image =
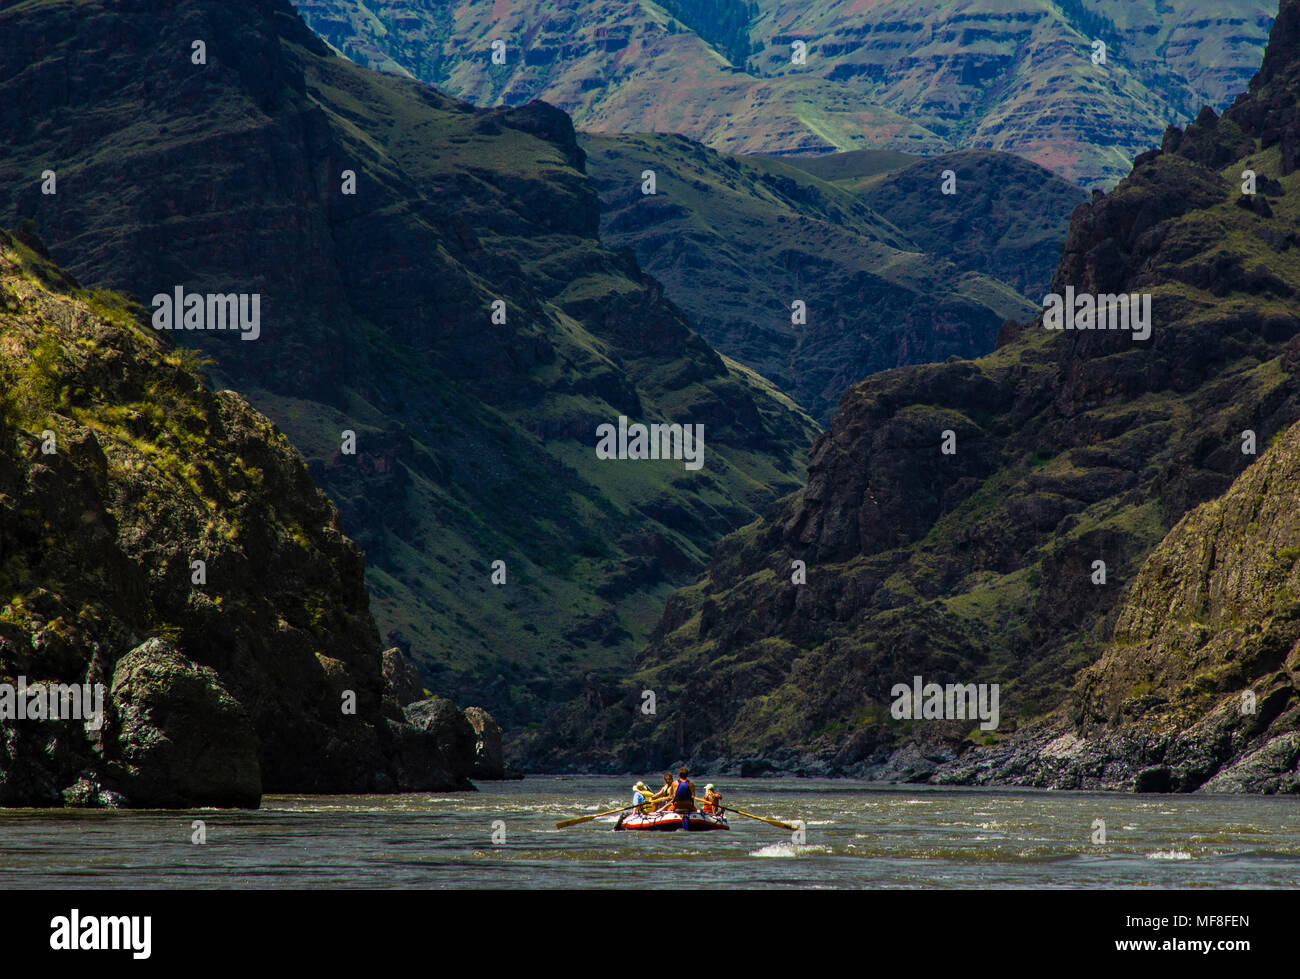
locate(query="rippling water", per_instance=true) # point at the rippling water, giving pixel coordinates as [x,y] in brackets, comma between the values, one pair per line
[858,835]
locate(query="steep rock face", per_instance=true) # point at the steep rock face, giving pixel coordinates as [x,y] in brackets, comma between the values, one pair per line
[402,677]
[165,544]
[1209,632]
[382,318]
[912,75]
[1071,448]
[1199,688]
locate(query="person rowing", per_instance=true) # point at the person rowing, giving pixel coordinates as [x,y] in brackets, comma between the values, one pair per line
[665,795]
[641,797]
[712,799]
[684,796]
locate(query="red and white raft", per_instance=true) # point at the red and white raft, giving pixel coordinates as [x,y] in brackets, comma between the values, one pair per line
[666,822]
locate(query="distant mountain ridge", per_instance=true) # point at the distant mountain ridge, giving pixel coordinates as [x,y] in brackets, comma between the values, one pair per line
[922,77]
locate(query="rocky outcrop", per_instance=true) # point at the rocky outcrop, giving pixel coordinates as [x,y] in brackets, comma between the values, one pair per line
[1220,755]
[490,760]
[1205,656]
[177,735]
[448,731]
[402,677]
[164,551]
[444,747]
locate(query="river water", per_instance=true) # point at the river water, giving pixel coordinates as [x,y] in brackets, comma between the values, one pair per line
[858,835]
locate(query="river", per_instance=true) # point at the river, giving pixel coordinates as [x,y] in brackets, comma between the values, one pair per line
[858,835]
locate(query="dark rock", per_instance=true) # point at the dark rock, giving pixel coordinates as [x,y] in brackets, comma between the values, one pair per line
[403,677]
[489,760]
[1273,768]
[1158,778]
[755,767]
[449,732]
[1255,203]
[176,736]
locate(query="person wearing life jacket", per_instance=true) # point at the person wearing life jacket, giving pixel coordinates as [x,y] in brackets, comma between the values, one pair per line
[641,797]
[712,799]
[684,796]
[664,797]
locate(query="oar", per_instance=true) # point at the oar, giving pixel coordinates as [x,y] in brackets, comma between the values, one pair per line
[761,819]
[596,815]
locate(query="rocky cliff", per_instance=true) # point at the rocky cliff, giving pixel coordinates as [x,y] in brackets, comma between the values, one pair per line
[163,547]
[1205,657]
[1199,688]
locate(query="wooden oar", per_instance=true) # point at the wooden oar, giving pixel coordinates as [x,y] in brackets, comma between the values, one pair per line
[595,815]
[761,819]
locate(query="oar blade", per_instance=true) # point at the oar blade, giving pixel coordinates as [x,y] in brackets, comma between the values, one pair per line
[595,815]
[764,819]
[572,822]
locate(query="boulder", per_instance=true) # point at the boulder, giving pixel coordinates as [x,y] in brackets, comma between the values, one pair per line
[176,737]
[1271,769]
[450,734]
[421,765]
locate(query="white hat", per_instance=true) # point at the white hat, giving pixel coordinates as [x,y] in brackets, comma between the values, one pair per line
[708,787]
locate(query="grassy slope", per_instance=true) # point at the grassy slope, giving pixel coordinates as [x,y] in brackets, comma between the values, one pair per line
[563,522]
[1006,219]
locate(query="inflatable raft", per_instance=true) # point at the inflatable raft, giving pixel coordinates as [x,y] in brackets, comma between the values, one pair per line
[666,822]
